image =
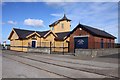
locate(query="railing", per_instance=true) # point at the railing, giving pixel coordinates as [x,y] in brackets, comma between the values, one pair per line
[54,46]
[96,45]
[62,47]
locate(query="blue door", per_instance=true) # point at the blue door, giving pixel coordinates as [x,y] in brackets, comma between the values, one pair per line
[33,44]
[81,42]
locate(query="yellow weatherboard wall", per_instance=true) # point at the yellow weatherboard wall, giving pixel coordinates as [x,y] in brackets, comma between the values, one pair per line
[14,35]
[59,28]
[50,37]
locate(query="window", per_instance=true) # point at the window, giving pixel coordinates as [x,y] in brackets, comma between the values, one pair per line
[52,28]
[33,37]
[109,44]
[62,26]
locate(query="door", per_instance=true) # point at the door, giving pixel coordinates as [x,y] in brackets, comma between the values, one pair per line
[81,42]
[109,44]
[102,43]
[33,44]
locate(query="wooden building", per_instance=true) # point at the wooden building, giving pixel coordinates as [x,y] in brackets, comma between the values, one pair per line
[59,35]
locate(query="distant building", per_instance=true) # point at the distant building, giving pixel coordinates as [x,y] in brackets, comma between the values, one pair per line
[82,36]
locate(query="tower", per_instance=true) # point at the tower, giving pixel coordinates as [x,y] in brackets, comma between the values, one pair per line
[61,25]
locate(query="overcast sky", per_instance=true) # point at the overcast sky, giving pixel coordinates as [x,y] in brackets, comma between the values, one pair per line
[38,15]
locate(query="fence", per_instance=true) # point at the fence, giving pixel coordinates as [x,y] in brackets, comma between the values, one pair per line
[94,45]
[57,47]
[97,45]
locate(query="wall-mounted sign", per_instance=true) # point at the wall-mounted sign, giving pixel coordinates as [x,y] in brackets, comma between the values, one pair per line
[80,41]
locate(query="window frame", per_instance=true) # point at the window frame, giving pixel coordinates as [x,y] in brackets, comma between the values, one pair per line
[62,25]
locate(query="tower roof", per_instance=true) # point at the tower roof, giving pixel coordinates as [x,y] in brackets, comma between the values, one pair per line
[65,18]
[56,22]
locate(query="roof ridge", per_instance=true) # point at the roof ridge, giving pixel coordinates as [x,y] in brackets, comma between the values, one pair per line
[30,30]
[63,32]
[43,31]
[22,29]
[93,27]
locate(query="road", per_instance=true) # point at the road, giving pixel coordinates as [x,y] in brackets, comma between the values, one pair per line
[28,65]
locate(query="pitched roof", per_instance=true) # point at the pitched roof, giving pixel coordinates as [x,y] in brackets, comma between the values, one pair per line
[42,33]
[62,35]
[93,31]
[56,22]
[23,33]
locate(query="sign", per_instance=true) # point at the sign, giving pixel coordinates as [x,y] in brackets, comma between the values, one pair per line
[81,41]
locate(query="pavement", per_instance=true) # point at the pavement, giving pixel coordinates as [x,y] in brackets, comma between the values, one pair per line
[32,65]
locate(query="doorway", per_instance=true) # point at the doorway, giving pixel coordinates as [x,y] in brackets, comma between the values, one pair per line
[102,45]
[33,44]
